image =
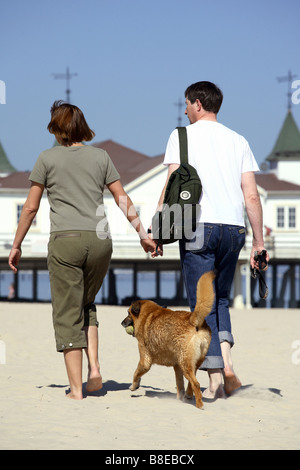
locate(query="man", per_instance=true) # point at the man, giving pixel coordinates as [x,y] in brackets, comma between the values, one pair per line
[226,166]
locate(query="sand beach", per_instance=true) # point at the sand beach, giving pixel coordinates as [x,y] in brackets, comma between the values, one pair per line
[36,415]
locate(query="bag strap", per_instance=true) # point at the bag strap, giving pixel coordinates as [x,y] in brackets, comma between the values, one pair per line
[183,144]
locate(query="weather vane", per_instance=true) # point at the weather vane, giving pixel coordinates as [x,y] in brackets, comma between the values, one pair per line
[67,76]
[288,78]
[180,104]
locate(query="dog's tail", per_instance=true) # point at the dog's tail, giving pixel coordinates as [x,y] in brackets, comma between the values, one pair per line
[205,299]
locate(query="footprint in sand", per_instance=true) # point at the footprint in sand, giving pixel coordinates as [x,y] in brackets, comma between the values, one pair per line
[258,393]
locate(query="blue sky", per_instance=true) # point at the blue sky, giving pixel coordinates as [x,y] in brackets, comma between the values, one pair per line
[135,58]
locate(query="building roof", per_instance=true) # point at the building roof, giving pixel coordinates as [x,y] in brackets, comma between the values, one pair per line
[287,146]
[132,164]
[5,166]
[16,180]
[129,163]
[270,182]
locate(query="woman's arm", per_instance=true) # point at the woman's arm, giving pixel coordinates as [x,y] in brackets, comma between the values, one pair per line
[28,213]
[127,207]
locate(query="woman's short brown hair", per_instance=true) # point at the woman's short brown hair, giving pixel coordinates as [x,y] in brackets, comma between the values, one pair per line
[68,124]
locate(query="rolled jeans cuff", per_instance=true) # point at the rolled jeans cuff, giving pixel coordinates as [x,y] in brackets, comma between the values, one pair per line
[226,336]
[212,362]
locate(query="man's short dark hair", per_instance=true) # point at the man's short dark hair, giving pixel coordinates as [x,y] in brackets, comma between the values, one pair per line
[207,93]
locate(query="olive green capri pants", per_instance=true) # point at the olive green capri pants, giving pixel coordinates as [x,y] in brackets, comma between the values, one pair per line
[77,262]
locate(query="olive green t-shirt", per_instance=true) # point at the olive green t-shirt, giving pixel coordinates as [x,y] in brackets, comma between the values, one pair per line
[74,178]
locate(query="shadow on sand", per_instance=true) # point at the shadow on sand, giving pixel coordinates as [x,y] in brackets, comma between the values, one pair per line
[245,391]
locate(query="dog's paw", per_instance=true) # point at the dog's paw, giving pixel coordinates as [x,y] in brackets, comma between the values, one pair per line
[180,394]
[188,397]
[134,385]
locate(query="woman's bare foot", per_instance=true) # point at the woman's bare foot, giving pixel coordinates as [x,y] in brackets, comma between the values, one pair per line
[73,361]
[74,396]
[94,381]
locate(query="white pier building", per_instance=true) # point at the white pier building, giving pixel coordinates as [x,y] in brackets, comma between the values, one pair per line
[143,178]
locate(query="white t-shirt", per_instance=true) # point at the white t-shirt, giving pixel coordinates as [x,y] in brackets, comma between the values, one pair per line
[220,156]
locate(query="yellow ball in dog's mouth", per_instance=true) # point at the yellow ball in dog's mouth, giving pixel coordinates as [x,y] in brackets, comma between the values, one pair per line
[129,330]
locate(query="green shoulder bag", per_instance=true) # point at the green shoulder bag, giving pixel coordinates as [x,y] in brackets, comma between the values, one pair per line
[181,207]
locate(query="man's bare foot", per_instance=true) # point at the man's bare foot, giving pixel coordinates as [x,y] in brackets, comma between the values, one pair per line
[94,382]
[215,388]
[212,393]
[231,382]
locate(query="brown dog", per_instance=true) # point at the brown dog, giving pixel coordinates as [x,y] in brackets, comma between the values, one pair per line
[173,338]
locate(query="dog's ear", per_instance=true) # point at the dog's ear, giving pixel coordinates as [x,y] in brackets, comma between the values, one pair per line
[135,308]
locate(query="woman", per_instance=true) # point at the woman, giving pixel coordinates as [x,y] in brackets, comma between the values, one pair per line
[74,175]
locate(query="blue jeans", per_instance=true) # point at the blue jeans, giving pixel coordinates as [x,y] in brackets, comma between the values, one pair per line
[218,249]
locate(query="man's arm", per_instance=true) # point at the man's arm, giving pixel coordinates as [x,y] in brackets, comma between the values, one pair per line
[254,213]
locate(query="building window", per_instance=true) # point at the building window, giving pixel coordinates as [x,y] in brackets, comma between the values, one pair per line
[286,217]
[280,217]
[292,217]
[19,210]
